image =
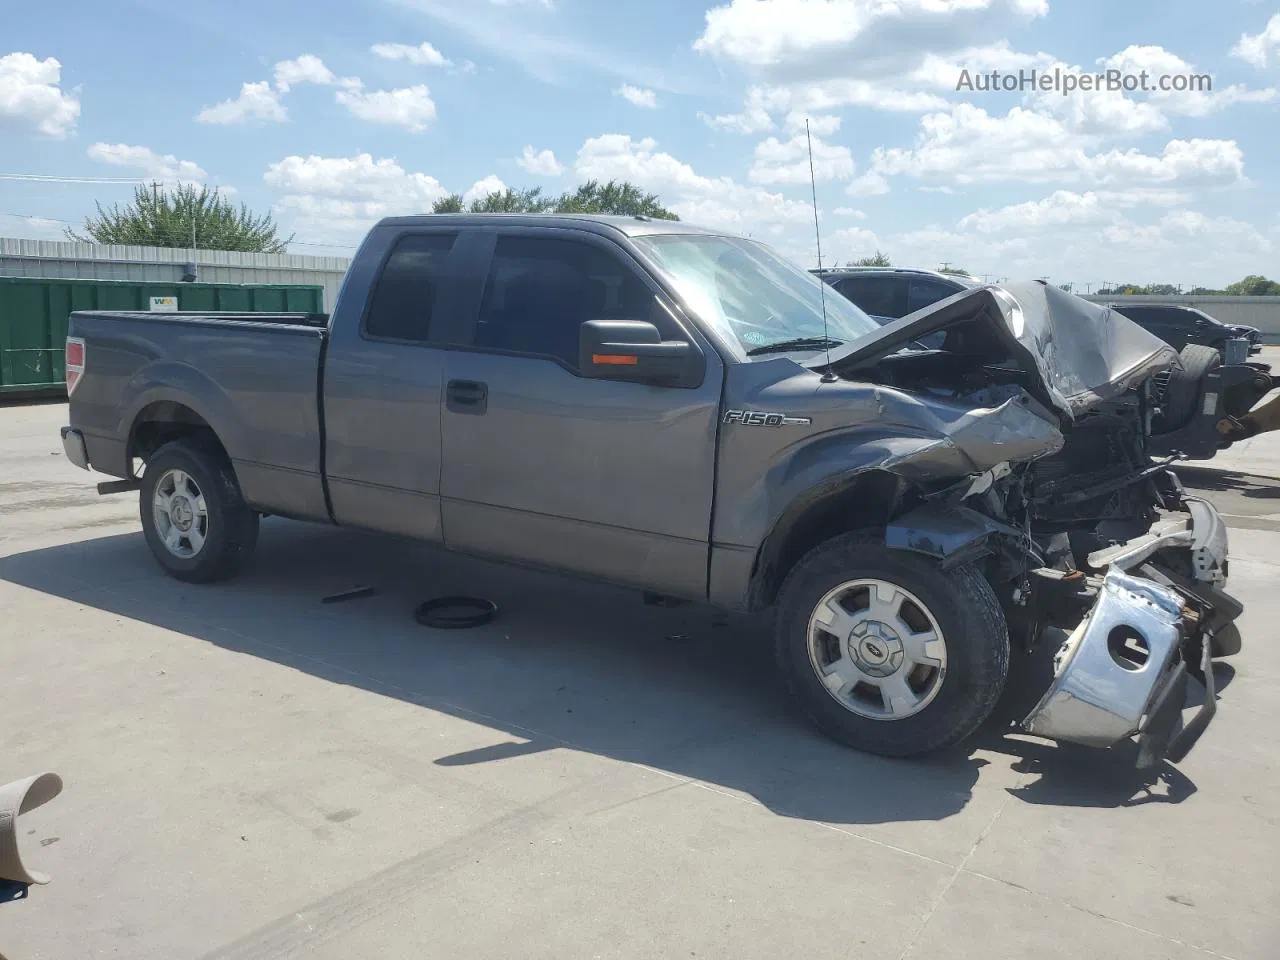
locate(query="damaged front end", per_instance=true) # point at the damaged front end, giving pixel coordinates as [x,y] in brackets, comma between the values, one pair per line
[1125,668]
[1145,616]
[1094,537]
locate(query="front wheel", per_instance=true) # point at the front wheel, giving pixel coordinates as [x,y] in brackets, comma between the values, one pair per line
[885,651]
[193,517]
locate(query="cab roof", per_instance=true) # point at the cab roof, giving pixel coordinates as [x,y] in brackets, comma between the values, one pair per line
[595,223]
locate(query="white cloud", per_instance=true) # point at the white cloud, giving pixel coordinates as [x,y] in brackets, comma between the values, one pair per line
[788,161]
[839,92]
[754,117]
[1257,48]
[152,164]
[261,101]
[257,101]
[850,212]
[638,96]
[942,71]
[850,243]
[1185,232]
[31,97]
[482,188]
[424,54]
[343,196]
[540,163]
[820,125]
[934,245]
[1064,207]
[791,31]
[870,184]
[304,69]
[715,201]
[409,107]
[1181,160]
[1159,62]
[968,145]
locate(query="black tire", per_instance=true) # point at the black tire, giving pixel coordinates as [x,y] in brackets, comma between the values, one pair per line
[1182,394]
[229,527]
[959,599]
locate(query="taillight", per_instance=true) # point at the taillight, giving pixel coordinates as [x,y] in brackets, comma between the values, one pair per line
[75,362]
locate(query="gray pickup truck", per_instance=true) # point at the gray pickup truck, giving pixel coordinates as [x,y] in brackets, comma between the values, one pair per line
[666,407]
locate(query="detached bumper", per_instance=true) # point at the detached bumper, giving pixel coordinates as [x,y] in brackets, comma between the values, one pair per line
[74,448]
[1125,669]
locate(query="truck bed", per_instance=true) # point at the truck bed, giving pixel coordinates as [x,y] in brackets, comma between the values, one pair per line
[254,378]
[314,320]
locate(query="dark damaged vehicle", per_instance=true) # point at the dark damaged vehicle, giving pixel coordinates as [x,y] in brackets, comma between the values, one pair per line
[665,407]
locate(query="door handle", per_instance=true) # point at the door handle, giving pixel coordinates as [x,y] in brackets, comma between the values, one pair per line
[467,396]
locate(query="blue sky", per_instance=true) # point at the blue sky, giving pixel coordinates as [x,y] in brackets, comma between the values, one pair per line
[334,114]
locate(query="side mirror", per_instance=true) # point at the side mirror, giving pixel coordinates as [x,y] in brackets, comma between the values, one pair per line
[635,351]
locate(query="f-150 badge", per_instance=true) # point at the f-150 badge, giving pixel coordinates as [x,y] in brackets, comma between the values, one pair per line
[758,418]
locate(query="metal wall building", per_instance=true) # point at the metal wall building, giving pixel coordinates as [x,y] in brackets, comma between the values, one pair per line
[65,260]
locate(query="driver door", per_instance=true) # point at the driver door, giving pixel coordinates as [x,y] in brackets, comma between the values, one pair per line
[602,478]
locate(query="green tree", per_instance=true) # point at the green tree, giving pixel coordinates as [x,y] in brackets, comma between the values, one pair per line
[184,216]
[1254,286]
[615,197]
[954,271]
[619,198]
[877,259]
[1204,292]
[529,200]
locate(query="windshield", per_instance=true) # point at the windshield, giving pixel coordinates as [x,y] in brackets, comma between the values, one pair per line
[759,301]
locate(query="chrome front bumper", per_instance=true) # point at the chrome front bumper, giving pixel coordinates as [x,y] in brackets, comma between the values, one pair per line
[1125,669]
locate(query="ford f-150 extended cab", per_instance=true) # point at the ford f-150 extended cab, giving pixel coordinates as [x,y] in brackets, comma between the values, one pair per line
[667,407]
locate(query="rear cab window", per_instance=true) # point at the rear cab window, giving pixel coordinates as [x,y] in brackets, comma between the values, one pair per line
[404,296]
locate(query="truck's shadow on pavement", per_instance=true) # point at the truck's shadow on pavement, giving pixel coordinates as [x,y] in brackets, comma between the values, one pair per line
[684,690]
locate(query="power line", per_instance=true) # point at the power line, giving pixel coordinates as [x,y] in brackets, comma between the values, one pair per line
[32,216]
[44,178]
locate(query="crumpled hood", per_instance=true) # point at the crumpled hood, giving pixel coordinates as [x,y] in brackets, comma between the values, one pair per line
[1080,352]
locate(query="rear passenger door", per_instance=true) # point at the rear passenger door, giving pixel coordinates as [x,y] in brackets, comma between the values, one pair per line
[383,380]
[600,477]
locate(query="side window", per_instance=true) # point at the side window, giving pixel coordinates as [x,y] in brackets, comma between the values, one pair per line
[541,290]
[923,292]
[400,308]
[877,296]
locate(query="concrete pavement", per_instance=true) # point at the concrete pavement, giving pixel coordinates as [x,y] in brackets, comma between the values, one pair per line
[252,774]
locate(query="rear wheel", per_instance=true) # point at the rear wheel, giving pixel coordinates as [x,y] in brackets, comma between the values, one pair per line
[194,519]
[885,651]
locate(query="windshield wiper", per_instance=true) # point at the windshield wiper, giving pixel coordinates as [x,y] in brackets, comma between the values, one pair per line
[799,343]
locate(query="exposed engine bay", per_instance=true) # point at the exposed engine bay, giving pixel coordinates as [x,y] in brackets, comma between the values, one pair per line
[1092,533]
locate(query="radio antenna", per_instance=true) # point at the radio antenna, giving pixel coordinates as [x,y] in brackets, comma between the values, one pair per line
[828,376]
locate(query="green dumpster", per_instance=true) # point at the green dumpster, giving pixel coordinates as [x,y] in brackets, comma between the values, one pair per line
[34,311]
